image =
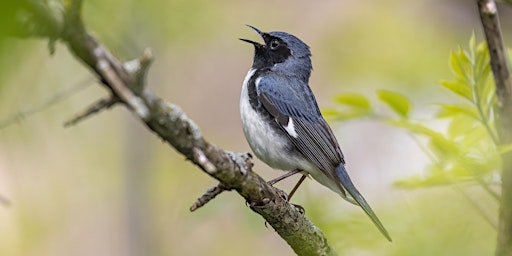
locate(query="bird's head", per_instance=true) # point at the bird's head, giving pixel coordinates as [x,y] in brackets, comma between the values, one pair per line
[281,52]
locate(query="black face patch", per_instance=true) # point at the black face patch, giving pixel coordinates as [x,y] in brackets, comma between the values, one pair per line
[277,49]
[261,57]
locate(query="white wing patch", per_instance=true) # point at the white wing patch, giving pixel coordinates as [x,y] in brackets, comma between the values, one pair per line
[290,128]
[257,82]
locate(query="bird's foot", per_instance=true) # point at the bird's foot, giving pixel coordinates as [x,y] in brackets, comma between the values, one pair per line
[299,208]
[286,197]
[281,194]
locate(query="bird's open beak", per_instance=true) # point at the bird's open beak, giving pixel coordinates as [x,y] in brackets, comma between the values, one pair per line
[250,41]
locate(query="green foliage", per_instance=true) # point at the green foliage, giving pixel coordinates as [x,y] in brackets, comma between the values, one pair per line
[427,223]
[399,103]
[356,106]
[467,150]
[354,100]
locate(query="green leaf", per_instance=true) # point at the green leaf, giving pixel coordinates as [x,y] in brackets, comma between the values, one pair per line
[473,137]
[460,64]
[472,42]
[418,181]
[414,127]
[503,149]
[450,110]
[329,112]
[454,65]
[482,78]
[335,114]
[488,99]
[399,103]
[436,138]
[484,83]
[482,60]
[353,100]
[436,176]
[460,126]
[458,88]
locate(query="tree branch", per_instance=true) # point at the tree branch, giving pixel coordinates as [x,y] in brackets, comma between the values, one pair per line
[209,195]
[501,72]
[126,82]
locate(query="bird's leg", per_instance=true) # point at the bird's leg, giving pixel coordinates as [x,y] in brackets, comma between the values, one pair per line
[282,177]
[301,209]
[296,186]
[286,175]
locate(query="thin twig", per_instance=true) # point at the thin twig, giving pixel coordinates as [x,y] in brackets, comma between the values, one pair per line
[56,98]
[207,197]
[91,110]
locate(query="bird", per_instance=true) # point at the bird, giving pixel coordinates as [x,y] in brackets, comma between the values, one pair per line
[282,122]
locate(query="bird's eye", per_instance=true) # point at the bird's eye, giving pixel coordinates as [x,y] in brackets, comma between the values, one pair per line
[274,44]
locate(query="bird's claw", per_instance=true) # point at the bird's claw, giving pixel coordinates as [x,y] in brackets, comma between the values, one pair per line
[299,208]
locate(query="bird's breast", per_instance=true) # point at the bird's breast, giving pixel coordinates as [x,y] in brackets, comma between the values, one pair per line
[268,142]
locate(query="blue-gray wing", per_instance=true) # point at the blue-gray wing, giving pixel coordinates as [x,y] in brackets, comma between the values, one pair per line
[294,108]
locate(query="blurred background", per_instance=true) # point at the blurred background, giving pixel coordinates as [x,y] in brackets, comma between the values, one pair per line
[109,187]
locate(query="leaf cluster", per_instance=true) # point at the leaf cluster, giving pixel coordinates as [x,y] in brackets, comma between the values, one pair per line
[466,148]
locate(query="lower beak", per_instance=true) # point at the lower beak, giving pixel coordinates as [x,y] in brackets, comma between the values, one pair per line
[251,42]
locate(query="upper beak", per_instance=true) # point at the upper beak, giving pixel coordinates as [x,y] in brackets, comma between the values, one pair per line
[250,41]
[255,29]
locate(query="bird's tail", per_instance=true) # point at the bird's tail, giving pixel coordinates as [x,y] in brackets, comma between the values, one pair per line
[343,177]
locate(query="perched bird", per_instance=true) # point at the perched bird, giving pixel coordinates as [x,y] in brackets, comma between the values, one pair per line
[282,122]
